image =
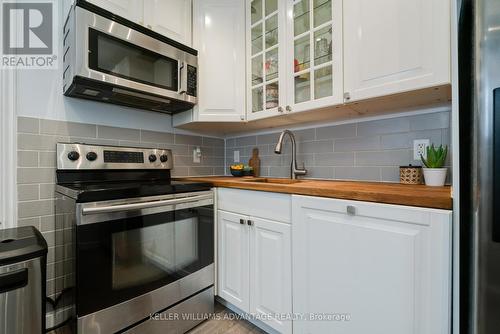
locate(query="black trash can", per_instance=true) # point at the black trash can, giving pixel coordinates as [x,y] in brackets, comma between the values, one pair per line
[23,263]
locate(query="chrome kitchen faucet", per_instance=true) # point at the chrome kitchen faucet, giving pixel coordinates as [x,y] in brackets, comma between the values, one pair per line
[294,170]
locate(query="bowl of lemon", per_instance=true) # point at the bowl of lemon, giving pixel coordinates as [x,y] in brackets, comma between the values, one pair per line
[239,170]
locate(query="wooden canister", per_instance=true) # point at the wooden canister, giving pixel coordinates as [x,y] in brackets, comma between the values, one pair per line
[410,174]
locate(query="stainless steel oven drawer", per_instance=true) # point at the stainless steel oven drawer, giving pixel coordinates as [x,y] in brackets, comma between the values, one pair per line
[180,318]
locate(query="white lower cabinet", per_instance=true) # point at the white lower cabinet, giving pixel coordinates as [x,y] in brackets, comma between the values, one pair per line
[254,267]
[386,267]
[233,258]
[270,272]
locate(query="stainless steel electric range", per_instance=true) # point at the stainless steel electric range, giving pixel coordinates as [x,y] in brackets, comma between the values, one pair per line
[143,244]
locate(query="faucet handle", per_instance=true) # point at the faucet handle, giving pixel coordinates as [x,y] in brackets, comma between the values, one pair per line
[302,170]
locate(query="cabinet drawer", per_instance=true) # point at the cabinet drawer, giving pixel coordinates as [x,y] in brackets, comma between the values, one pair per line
[261,204]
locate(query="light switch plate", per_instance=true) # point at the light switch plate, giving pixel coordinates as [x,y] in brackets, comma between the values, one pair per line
[420,148]
[236,156]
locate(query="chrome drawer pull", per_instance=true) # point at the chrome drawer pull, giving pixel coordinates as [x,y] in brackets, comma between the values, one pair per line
[351,210]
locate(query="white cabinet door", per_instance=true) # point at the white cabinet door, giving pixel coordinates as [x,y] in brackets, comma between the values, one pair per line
[392,46]
[171,18]
[266,52]
[314,58]
[271,272]
[130,9]
[233,259]
[219,37]
[387,267]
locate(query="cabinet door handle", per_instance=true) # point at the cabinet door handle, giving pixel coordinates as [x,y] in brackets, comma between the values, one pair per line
[249,222]
[242,221]
[351,210]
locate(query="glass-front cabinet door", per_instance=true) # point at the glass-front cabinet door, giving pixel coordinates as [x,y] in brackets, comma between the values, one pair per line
[265,32]
[314,56]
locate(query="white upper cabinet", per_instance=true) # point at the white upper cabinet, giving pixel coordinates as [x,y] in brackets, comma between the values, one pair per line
[295,56]
[218,35]
[393,46]
[314,54]
[171,18]
[266,50]
[130,9]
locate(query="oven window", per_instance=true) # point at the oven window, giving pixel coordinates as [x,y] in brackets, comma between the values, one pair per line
[121,259]
[144,255]
[117,57]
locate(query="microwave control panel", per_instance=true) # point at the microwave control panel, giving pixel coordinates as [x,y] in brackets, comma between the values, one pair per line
[191,80]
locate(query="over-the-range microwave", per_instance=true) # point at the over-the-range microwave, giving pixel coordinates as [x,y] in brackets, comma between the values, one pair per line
[111,59]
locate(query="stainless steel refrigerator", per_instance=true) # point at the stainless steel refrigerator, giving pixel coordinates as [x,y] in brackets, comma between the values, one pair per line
[479,102]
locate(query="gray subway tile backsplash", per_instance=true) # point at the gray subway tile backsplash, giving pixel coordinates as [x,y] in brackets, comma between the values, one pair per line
[27,159]
[36,142]
[368,150]
[157,137]
[28,125]
[357,173]
[111,132]
[246,141]
[188,140]
[27,192]
[383,158]
[439,120]
[357,144]
[334,159]
[336,131]
[61,128]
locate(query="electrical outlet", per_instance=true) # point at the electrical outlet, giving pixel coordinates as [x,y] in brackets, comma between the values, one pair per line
[236,157]
[420,148]
[197,155]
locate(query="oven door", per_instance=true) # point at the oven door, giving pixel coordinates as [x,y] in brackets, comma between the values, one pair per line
[112,53]
[139,250]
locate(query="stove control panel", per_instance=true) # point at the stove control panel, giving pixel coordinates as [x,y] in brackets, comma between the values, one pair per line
[83,156]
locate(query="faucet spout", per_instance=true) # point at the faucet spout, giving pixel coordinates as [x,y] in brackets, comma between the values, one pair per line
[294,170]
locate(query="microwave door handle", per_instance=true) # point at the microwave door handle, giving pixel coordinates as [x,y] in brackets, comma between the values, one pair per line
[182,78]
[143,205]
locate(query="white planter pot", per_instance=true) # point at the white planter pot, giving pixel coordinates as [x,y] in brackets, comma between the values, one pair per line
[435,177]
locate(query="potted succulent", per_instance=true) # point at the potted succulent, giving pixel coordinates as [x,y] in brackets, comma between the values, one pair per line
[434,172]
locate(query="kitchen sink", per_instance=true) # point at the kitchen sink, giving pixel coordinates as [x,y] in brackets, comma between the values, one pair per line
[273,181]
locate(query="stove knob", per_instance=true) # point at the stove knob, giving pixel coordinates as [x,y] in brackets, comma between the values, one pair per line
[152,158]
[91,156]
[73,155]
[163,158]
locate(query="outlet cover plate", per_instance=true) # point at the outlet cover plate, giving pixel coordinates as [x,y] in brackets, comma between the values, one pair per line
[236,156]
[420,148]
[197,155]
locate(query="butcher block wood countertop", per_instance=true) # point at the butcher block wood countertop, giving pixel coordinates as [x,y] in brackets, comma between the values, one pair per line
[390,193]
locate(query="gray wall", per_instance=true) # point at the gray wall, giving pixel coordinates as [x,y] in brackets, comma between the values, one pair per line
[370,151]
[37,140]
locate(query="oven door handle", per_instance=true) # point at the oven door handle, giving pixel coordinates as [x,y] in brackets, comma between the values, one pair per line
[143,205]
